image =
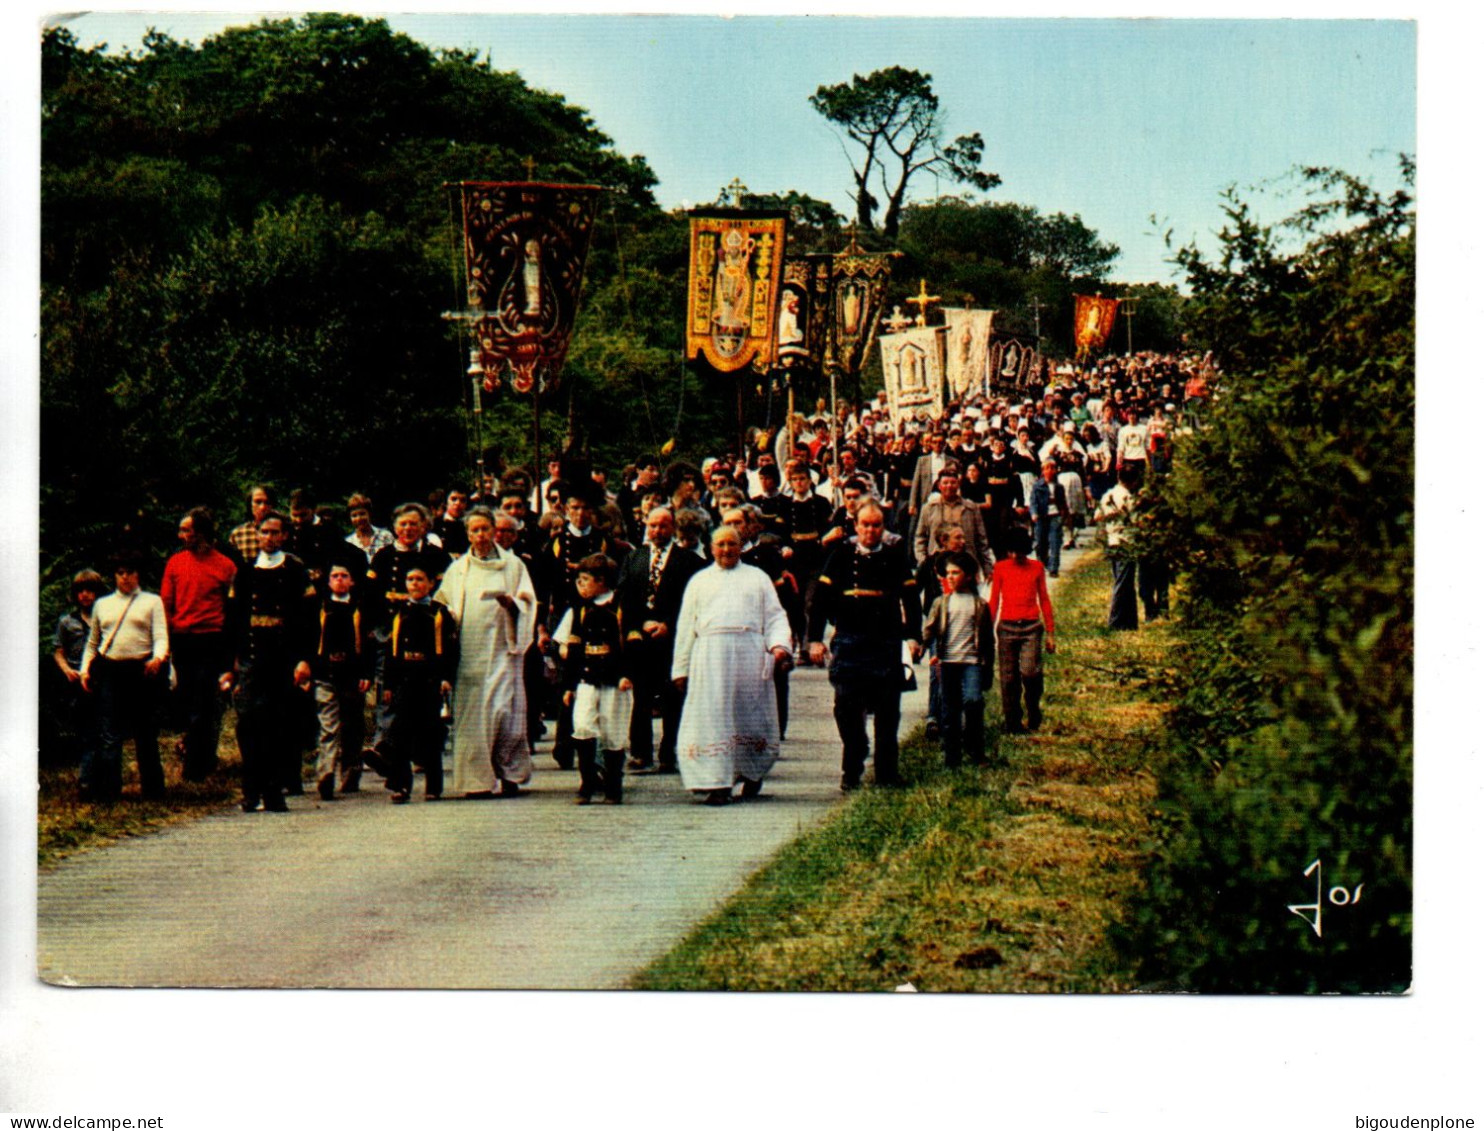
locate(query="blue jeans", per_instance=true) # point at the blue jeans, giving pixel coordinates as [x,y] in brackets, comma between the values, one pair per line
[1048,542]
[963,711]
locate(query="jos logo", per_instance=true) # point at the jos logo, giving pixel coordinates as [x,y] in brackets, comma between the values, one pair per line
[1338,897]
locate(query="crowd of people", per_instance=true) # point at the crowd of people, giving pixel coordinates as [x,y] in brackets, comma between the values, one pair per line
[684,598]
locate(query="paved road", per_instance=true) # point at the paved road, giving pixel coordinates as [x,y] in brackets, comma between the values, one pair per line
[532,892]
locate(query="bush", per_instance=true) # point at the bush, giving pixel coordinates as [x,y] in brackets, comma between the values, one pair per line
[1290,516]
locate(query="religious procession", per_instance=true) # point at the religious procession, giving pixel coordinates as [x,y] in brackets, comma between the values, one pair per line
[930,516]
[462,483]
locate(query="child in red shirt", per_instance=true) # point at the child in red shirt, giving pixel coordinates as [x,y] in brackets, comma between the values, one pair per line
[1020,607]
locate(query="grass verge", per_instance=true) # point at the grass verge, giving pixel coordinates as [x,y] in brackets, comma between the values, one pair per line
[972,880]
[66,826]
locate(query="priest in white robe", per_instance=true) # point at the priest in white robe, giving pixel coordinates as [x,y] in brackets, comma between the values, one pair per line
[490,593]
[731,633]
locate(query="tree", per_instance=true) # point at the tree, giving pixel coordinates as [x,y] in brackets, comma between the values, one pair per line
[894,116]
[1290,515]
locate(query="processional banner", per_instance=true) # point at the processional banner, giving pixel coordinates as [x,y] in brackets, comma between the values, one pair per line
[525,248]
[736,271]
[1093,320]
[969,343]
[1012,364]
[859,297]
[912,365]
[804,312]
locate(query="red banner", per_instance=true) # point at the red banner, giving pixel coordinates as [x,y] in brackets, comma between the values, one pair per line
[1093,322]
[525,247]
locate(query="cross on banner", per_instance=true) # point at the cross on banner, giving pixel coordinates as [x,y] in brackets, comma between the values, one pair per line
[921,300]
[898,321]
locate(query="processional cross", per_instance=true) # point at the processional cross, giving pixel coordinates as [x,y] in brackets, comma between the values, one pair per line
[921,300]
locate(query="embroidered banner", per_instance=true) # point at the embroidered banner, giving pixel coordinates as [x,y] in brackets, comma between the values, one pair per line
[804,313]
[525,247]
[1012,364]
[1093,322]
[736,268]
[859,297]
[969,341]
[912,366]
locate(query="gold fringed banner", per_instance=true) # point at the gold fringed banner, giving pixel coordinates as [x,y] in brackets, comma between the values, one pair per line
[804,313]
[912,368]
[525,247]
[969,335]
[860,281]
[1094,322]
[736,268]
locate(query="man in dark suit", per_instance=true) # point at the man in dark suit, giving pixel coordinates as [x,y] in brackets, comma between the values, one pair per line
[924,479]
[650,587]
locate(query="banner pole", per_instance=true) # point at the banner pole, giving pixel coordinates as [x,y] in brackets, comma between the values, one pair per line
[789,423]
[536,446]
[834,424]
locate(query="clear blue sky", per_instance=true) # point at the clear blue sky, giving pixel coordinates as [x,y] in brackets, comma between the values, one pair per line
[1113,120]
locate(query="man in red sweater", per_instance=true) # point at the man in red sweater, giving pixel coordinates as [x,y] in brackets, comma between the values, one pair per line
[1021,609]
[194,588]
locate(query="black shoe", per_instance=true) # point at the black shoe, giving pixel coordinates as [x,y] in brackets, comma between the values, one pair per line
[613,801]
[750,788]
[275,805]
[718,797]
[849,784]
[931,731]
[327,788]
[432,797]
[374,761]
[583,799]
[479,795]
[1012,728]
[1033,720]
[893,782]
[401,797]
[639,765]
[250,804]
[509,789]
[667,768]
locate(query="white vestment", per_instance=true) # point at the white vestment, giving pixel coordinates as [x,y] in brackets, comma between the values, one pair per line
[489,715]
[730,620]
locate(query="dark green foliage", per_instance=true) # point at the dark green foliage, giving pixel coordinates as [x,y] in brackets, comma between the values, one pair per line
[246,247]
[1290,516]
